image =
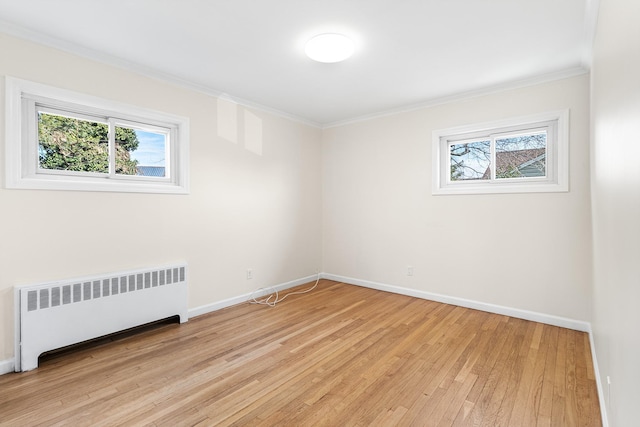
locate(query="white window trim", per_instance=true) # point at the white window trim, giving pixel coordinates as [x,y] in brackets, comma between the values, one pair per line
[21,153]
[557,179]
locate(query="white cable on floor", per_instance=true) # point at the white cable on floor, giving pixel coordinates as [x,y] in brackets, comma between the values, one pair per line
[272,302]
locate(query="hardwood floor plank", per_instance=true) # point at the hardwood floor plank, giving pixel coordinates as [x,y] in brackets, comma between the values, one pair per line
[493,398]
[457,401]
[340,355]
[546,393]
[484,387]
[527,359]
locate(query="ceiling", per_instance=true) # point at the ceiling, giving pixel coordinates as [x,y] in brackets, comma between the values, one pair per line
[408,52]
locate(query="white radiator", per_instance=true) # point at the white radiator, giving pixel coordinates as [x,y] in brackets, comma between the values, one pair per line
[54,315]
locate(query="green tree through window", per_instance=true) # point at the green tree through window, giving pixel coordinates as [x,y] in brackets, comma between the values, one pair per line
[73,144]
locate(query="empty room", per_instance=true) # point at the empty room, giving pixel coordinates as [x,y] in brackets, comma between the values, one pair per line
[332,213]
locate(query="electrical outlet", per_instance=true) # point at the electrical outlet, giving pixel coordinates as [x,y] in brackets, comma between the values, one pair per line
[409,271]
[249,274]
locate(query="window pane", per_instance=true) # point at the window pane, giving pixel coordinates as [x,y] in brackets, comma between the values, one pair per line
[521,156]
[470,161]
[72,144]
[140,152]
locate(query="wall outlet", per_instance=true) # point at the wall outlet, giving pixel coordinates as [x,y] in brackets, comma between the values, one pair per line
[249,274]
[409,271]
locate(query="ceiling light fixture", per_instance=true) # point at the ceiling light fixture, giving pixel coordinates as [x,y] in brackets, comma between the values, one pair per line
[329,48]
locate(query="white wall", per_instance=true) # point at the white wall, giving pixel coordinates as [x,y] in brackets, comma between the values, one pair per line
[255,197]
[524,251]
[616,205]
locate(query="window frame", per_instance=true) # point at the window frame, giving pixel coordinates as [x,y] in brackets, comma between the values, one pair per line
[23,101]
[556,124]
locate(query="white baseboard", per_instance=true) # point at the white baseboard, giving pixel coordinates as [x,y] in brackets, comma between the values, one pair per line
[594,358]
[549,319]
[6,366]
[208,308]
[563,322]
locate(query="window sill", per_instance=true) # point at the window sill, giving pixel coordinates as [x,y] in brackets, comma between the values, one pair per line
[94,184]
[490,188]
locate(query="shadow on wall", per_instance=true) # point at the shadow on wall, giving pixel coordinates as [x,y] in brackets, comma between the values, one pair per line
[236,123]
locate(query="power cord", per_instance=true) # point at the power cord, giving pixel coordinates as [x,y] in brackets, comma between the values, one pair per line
[271,301]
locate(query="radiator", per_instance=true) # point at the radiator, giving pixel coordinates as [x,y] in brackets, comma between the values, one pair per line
[57,314]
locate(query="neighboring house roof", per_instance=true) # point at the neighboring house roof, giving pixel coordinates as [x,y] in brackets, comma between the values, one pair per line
[150,171]
[528,162]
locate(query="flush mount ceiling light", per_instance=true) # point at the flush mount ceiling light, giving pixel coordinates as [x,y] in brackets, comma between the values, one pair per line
[329,48]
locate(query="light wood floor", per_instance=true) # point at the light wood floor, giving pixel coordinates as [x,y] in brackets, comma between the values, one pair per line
[339,356]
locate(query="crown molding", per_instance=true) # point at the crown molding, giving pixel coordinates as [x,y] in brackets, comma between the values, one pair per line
[91,54]
[516,84]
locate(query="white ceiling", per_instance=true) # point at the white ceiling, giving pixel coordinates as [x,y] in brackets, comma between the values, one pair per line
[408,52]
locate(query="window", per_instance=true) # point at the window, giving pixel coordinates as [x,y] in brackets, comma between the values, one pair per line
[521,155]
[57,139]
